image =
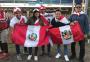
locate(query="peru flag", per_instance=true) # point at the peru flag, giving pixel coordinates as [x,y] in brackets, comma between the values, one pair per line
[30,36]
[66,34]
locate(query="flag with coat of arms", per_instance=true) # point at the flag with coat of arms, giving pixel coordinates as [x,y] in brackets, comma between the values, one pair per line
[66,34]
[30,36]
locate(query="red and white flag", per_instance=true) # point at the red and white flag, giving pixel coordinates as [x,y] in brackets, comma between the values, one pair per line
[66,34]
[30,36]
[3,22]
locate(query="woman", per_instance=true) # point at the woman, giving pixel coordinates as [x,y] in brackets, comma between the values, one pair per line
[36,20]
[58,21]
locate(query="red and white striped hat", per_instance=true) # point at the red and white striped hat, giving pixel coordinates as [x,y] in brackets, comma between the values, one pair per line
[16,9]
[42,7]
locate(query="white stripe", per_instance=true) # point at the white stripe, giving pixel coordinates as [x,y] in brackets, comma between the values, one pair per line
[78,13]
[62,29]
[64,20]
[30,30]
[50,41]
[37,21]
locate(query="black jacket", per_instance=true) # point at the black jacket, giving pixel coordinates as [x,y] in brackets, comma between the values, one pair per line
[57,24]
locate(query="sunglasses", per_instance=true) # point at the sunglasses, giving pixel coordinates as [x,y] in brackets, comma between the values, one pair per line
[77,7]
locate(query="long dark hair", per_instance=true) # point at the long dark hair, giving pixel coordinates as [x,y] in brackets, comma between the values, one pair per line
[34,18]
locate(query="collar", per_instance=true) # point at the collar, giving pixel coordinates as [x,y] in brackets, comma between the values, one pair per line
[78,13]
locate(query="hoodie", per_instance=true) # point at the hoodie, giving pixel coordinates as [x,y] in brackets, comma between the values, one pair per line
[82,18]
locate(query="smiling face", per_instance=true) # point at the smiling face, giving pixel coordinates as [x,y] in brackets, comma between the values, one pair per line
[36,14]
[42,11]
[18,14]
[57,14]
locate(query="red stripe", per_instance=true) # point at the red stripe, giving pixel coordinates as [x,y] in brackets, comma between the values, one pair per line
[55,35]
[77,32]
[19,38]
[43,37]
[44,20]
[61,17]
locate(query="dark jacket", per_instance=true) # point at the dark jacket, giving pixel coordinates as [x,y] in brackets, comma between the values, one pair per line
[30,21]
[83,21]
[42,21]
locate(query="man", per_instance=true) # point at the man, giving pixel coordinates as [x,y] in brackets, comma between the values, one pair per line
[17,19]
[3,36]
[24,13]
[79,16]
[48,17]
[58,21]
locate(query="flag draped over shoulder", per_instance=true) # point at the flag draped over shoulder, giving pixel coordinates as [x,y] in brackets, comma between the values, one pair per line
[64,34]
[30,36]
[3,23]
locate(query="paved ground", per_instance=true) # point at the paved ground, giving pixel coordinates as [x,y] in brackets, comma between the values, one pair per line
[45,58]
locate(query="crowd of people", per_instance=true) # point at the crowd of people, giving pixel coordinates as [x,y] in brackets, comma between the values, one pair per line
[40,16]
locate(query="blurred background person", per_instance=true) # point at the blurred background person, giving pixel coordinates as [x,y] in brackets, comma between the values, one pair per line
[3,36]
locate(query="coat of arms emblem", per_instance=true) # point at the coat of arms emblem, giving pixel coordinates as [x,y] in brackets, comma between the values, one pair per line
[32,36]
[66,34]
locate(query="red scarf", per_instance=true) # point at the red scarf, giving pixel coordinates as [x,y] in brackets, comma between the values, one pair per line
[60,18]
[22,21]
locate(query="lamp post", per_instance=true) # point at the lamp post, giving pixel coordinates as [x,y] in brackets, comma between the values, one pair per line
[86,6]
[60,1]
[73,4]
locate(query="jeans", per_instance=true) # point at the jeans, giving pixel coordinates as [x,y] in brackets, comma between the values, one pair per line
[25,49]
[65,49]
[35,52]
[82,49]
[4,47]
[48,49]
[17,49]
